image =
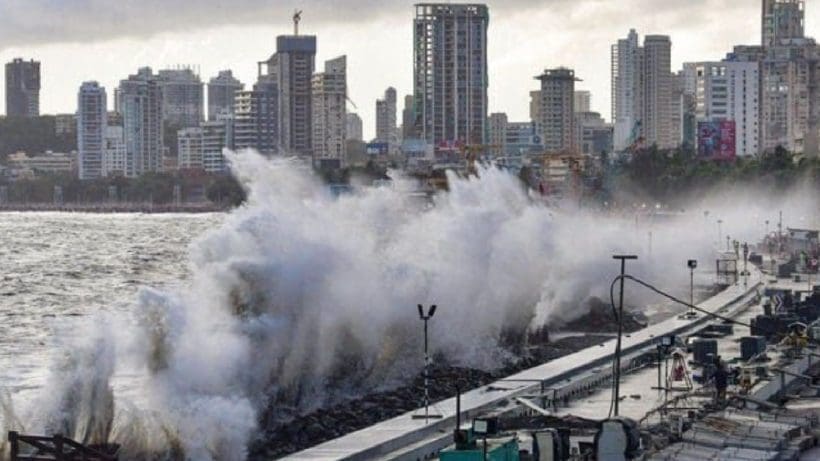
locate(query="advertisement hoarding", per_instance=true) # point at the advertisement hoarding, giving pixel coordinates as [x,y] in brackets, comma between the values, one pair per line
[716,140]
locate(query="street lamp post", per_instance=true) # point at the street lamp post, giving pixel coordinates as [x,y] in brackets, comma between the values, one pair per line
[426,318]
[692,264]
[745,264]
[719,222]
[617,374]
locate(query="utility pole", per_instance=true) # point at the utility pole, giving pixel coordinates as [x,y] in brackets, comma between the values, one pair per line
[617,377]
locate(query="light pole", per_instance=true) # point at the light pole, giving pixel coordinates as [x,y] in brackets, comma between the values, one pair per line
[719,222]
[617,374]
[692,264]
[745,264]
[425,318]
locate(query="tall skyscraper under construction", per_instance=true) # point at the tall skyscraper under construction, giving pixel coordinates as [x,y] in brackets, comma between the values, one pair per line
[450,73]
[291,69]
[23,88]
[781,20]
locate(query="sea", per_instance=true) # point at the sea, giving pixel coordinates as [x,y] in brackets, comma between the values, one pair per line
[60,268]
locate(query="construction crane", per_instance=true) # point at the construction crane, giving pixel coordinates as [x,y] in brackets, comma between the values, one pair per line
[297,16]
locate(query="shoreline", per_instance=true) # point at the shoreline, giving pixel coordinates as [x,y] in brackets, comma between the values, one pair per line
[105,208]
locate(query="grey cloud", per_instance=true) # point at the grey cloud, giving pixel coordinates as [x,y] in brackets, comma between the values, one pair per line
[34,22]
[37,22]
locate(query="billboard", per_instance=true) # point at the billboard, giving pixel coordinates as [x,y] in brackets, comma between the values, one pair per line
[716,140]
[377,148]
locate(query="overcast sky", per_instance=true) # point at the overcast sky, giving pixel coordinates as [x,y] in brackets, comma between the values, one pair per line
[105,40]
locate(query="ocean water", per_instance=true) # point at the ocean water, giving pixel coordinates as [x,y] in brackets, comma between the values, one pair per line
[58,269]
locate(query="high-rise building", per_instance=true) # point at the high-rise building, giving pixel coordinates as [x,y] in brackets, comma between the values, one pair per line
[114,152]
[583,101]
[354,127]
[781,20]
[92,121]
[644,106]
[221,92]
[408,118]
[182,97]
[658,117]
[627,94]
[450,72]
[23,88]
[557,109]
[789,101]
[329,110]
[291,69]
[189,152]
[140,103]
[498,133]
[217,135]
[256,122]
[727,91]
[386,121]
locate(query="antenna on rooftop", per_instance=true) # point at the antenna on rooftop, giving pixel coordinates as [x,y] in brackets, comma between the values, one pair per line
[297,16]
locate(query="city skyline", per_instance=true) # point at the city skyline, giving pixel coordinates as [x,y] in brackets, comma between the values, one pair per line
[572,29]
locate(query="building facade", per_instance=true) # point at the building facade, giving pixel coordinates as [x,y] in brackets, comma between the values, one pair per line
[182,97]
[557,109]
[727,91]
[354,127]
[92,121]
[497,134]
[65,124]
[593,135]
[789,68]
[189,151]
[114,152]
[221,92]
[408,118]
[217,135]
[658,115]
[22,88]
[521,139]
[291,69]
[645,104]
[386,129]
[627,93]
[140,103]
[781,20]
[583,101]
[450,73]
[256,122]
[329,111]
